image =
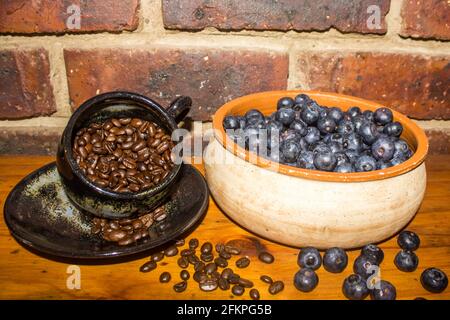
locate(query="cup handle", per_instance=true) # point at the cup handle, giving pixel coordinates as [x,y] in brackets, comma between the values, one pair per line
[179,108]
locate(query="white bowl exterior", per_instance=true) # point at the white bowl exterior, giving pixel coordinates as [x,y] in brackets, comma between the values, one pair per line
[302,212]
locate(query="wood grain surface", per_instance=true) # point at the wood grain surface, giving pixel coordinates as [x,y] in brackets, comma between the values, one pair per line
[27,275]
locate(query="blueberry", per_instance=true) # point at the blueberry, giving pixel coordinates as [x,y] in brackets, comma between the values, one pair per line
[368,115]
[393,129]
[352,155]
[304,146]
[290,134]
[368,132]
[290,150]
[306,280]
[309,257]
[319,147]
[345,167]
[333,137]
[355,287]
[306,160]
[325,161]
[373,252]
[231,122]
[401,146]
[302,100]
[384,290]
[358,121]
[326,125]
[300,127]
[365,266]
[383,149]
[354,111]
[406,261]
[285,102]
[383,116]
[345,127]
[341,158]
[365,163]
[434,280]
[383,165]
[285,116]
[408,240]
[336,147]
[335,260]
[352,141]
[253,115]
[310,114]
[312,135]
[336,114]
[274,127]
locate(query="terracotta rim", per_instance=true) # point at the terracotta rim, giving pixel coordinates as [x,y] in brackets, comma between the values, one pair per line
[414,135]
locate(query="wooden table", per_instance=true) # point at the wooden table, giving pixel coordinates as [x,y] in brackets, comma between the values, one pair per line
[24,275]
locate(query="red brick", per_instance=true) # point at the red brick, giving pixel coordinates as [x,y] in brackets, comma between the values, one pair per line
[48,16]
[439,141]
[426,19]
[415,85]
[25,87]
[300,15]
[210,77]
[30,140]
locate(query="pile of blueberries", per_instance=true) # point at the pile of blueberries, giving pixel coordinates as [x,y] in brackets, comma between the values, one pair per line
[304,134]
[365,280]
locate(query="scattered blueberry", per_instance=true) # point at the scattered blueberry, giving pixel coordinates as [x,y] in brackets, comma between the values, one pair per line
[434,280]
[408,240]
[365,266]
[373,252]
[406,261]
[309,257]
[355,287]
[335,260]
[384,290]
[306,280]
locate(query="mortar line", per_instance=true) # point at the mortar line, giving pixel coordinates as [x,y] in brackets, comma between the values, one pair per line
[58,78]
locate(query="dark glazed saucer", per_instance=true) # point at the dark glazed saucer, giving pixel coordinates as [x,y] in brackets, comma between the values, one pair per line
[39,215]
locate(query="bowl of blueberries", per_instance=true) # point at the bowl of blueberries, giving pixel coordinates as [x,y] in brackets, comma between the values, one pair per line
[308,168]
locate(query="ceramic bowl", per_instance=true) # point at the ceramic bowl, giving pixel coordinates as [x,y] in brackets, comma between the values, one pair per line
[301,207]
[90,197]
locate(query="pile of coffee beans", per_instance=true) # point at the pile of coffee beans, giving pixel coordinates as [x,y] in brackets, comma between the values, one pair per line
[124,154]
[210,268]
[128,230]
[304,134]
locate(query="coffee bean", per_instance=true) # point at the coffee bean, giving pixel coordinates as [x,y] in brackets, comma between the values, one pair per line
[221,262]
[171,251]
[193,259]
[207,257]
[184,275]
[220,247]
[199,266]
[223,284]
[266,279]
[232,250]
[254,294]
[148,266]
[225,255]
[183,262]
[180,286]
[210,268]
[187,252]
[226,273]
[276,287]
[245,283]
[237,290]
[179,242]
[208,285]
[199,276]
[266,257]
[165,277]
[243,262]
[158,256]
[206,248]
[193,243]
[117,235]
[234,278]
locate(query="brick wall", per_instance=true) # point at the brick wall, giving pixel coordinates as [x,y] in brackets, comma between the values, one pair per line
[396,52]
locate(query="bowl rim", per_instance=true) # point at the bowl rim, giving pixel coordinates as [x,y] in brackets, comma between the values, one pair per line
[139,100]
[417,158]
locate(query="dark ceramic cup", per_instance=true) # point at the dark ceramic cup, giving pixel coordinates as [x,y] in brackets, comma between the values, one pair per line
[105,203]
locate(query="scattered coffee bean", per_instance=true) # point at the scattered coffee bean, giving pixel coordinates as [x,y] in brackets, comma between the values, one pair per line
[199,276]
[266,257]
[221,262]
[180,286]
[242,262]
[187,252]
[245,283]
[193,243]
[165,277]
[237,290]
[226,273]
[183,262]
[210,268]
[266,279]
[208,284]
[158,256]
[220,247]
[276,287]
[179,242]
[233,278]
[206,248]
[148,266]
[171,251]
[254,294]
[184,275]
[225,255]
[232,250]
[224,284]
[207,257]
[199,266]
